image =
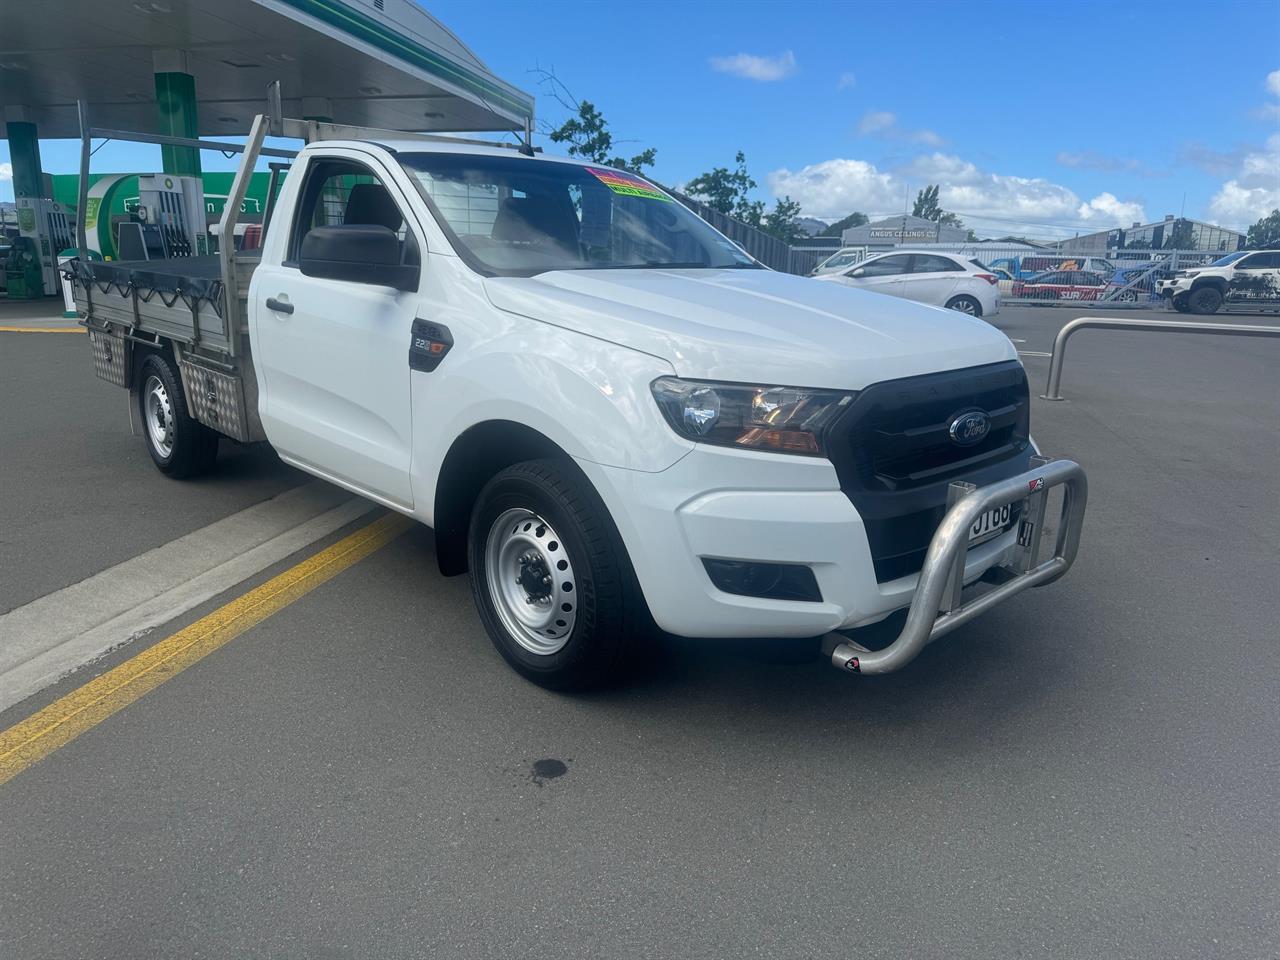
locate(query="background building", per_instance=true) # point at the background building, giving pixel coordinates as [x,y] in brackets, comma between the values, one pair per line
[1188,234]
[894,231]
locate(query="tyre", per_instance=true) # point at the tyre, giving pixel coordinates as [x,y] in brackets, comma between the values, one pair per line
[1180,304]
[965,304]
[552,580]
[1127,296]
[1205,300]
[181,446]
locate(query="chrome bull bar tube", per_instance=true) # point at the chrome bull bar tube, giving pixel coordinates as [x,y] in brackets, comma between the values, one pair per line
[936,609]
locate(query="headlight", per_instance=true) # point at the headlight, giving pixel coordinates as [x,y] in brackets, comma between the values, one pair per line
[778,419]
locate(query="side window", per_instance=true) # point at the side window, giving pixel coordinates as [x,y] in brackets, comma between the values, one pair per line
[885,266]
[928,263]
[342,192]
[1260,261]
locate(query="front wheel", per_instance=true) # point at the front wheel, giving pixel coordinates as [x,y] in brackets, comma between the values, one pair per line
[1205,300]
[965,304]
[181,446]
[551,578]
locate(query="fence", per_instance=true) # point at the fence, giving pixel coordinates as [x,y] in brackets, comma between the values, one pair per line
[770,251]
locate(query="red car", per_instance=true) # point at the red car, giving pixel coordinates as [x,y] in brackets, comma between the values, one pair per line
[1061,285]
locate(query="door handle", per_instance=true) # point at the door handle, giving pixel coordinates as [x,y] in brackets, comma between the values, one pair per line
[281,306]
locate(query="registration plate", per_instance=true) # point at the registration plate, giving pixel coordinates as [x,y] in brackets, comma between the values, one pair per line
[990,524]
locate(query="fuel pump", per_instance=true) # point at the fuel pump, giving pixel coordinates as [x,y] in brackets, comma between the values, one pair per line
[46,225]
[175,205]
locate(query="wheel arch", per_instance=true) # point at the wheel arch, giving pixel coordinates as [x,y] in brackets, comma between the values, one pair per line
[473,458]
[1201,282]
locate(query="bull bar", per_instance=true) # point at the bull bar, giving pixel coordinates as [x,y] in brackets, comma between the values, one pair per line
[937,608]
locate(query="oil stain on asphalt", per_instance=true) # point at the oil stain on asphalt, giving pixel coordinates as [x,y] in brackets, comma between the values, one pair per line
[548,769]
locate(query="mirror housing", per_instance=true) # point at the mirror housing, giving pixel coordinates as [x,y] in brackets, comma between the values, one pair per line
[356,253]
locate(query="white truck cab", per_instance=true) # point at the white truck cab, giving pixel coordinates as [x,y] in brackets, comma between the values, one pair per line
[611,416]
[1246,278]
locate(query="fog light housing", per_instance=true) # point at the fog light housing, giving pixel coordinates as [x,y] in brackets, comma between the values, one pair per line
[768,581]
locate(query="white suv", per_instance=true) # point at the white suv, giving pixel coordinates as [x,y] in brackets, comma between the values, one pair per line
[1239,279]
[942,279]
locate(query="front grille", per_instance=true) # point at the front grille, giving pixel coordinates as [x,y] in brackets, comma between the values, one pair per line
[895,457]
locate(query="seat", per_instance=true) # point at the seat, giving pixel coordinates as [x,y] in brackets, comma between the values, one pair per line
[369,203]
[535,219]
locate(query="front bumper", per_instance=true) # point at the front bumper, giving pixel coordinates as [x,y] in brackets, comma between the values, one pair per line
[741,505]
[937,607]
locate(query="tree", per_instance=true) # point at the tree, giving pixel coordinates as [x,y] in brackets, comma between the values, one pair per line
[586,131]
[783,221]
[1265,233]
[1181,236]
[727,191]
[927,207]
[838,228]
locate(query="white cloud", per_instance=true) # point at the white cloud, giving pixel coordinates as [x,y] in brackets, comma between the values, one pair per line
[1254,191]
[834,188]
[876,121]
[847,81]
[884,124]
[753,67]
[1273,83]
[1093,160]
[6,171]
[1109,210]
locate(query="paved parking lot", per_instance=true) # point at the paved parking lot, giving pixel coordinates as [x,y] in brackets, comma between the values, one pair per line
[1089,771]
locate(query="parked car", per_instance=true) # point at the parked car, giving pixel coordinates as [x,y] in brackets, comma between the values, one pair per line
[1062,285]
[611,416]
[943,279]
[1135,281]
[1027,267]
[1004,280]
[1247,278]
[842,259]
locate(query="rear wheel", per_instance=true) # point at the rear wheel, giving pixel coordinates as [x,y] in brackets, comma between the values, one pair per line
[180,445]
[1127,296]
[1205,300]
[552,580]
[965,304]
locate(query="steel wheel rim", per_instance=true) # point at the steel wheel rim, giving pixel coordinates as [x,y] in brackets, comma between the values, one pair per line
[531,581]
[158,414]
[964,306]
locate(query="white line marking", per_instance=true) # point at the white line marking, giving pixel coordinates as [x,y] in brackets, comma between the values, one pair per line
[44,640]
[1033,353]
[1016,340]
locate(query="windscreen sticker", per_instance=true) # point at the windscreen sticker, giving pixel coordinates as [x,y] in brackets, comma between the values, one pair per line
[627,184]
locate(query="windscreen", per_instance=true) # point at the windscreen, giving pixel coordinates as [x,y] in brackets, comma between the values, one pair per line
[1229,258]
[522,215]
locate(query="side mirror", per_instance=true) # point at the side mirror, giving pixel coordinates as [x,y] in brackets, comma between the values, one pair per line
[357,253]
[855,272]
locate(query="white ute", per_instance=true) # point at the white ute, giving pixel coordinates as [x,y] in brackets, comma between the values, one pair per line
[611,416]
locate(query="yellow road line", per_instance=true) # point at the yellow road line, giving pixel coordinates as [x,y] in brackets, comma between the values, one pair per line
[33,739]
[42,329]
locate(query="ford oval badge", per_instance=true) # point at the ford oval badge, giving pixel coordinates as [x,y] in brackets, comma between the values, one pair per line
[970,428]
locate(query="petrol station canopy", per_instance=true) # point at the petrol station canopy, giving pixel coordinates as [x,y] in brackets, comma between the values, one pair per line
[376,63]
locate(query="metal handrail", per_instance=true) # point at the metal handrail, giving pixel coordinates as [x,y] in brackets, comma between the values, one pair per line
[935,609]
[1058,357]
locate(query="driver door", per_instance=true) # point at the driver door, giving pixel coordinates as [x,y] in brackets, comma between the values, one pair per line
[331,354]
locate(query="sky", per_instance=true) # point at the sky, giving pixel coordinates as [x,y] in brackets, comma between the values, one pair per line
[1036,118]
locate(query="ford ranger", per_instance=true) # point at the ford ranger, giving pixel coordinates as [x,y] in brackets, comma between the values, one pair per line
[612,417]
